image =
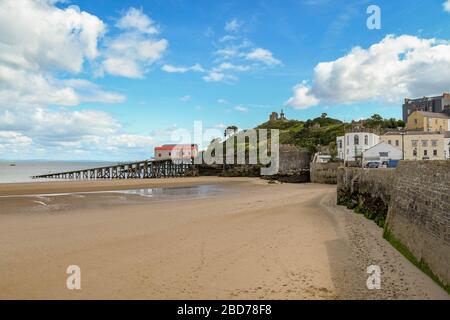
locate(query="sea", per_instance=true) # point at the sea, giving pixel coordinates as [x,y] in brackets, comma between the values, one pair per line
[22,171]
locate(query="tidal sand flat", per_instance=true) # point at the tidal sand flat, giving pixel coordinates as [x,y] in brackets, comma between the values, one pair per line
[238,239]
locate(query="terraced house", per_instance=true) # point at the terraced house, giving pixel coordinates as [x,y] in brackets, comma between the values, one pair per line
[420,145]
[428,121]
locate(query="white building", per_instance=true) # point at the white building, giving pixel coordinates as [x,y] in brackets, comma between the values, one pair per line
[447,144]
[382,152]
[321,158]
[352,146]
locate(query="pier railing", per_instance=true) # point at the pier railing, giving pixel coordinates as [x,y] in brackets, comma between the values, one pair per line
[146,169]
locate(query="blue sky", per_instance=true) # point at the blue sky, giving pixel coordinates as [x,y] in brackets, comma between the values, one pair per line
[115,79]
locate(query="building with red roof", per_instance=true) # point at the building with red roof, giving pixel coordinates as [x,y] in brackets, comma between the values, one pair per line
[176,152]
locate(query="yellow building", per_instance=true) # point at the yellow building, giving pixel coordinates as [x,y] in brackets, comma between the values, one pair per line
[428,121]
[419,145]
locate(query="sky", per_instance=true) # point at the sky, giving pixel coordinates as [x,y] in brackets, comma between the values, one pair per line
[110,80]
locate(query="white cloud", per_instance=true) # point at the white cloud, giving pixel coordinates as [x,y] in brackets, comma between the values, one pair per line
[36,35]
[13,142]
[215,76]
[185,98]
[241,108]
[67,132]
[130,141]
[135,19]
[234,54]
[264,56]
[172,69]
[233,25]
[394,68]
[302,98]
[129,54]
[229,66]
[446,5]
[222,101]
[38,39]
[227,38]
[38,42]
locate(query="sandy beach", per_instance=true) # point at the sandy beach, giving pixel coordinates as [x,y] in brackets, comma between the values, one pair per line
[246,240]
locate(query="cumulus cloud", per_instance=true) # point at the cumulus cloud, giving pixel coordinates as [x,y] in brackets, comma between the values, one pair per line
[11,141]
[446,5]
[67,132]
[394,68]
[135,19]
[264,56]
[36,35]
[40,42]
[302,98]
[132,52]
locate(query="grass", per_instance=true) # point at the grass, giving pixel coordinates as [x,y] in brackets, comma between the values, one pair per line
[421,264]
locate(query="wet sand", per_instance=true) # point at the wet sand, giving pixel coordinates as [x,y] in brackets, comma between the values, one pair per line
[258,241]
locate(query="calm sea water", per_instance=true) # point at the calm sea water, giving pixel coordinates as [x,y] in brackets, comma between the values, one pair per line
[24,170]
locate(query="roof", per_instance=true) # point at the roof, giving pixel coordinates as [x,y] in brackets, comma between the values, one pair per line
[411,133]
[383,145]
[434,115]
[168,147]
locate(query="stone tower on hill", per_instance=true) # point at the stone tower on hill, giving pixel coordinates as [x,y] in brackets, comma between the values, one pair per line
[275,117]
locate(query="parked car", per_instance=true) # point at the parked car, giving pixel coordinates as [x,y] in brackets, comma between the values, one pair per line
[372,165]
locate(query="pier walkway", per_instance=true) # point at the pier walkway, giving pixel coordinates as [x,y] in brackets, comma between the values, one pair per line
[146,169]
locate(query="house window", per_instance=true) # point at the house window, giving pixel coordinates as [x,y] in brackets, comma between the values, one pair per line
[414,153]
[384,154]
[397,143]
[356,140]
[159,155]
[435,153]
[366,140]
[424,143]
[389,142]
[414,143]
[434,143]
[415,121]
[340,144]
[425,152]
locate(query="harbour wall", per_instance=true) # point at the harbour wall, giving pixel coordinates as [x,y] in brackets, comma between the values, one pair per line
[412,203]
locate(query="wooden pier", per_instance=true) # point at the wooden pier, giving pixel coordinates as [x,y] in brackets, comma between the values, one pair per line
[148,169]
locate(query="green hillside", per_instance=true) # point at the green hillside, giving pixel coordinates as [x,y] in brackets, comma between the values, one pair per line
[320,132]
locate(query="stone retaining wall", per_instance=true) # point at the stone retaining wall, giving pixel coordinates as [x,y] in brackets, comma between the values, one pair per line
[412,202]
